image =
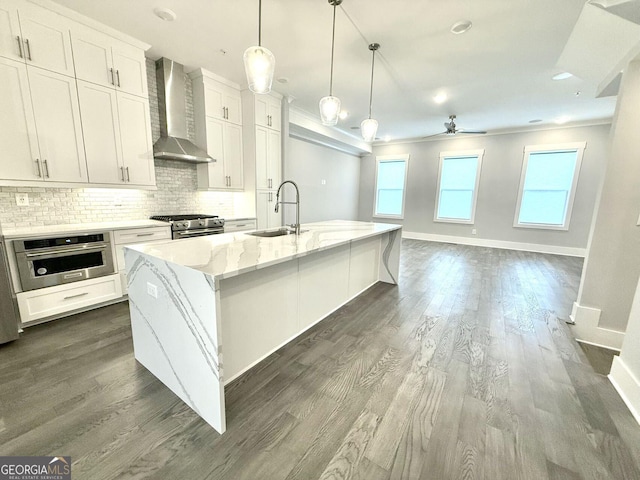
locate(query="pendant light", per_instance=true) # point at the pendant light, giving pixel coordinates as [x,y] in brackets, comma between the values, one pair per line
[369,127]
[330,106]
[259,62]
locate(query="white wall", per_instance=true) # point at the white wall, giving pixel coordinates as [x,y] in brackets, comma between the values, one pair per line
[498,190]
[612,266]
[308,164]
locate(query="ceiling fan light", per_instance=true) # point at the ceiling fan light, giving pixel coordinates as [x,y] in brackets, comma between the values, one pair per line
[259,65]
[329,110]
[369,128]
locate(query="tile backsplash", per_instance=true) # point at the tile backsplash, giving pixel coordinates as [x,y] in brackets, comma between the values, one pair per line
[176,181]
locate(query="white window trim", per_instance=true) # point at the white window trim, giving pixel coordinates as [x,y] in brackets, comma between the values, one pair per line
[459,153]
[558,147]
[389,158]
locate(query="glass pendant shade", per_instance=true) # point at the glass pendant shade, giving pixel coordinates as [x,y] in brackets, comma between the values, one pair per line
[329,110]
[259,64]
[368,128]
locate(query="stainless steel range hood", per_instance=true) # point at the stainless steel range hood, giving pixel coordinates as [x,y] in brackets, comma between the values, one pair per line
[173,143]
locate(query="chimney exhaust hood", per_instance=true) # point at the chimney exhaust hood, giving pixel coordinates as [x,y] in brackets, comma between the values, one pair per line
[173,143]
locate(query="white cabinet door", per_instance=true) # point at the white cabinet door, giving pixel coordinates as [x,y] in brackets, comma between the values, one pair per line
[214,171]
[265,208]
[233,104]
[46,39]
[57,116]
[268,111]
[100,125]
[92,56]
[130,69]
[275,113]
[10,36]
[274,158]
[262,158]
[233,155]
[214,100]
[17,125]
[137,149]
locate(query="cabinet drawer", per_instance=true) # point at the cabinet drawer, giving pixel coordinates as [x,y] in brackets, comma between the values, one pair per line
[239,226]
[46,302]
[141,235]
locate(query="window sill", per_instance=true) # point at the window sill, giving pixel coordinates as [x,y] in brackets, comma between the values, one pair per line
[453,220]
[540,226]
[391,217]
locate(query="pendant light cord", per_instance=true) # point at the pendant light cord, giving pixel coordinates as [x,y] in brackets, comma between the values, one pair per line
[259,23]
[333,42]
[373,61]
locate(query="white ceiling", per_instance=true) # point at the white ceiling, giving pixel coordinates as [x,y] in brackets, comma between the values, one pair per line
[497,75]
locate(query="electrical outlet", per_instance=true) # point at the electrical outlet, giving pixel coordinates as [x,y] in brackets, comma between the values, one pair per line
[323,182]
[474,231]
[152,290]
[22,199]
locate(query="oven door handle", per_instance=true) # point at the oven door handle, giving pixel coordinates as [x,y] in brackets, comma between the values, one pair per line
[66,250]
[199,233]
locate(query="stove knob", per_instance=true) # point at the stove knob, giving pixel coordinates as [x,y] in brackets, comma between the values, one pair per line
[201,222]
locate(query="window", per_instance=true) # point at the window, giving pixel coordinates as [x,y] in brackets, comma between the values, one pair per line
[391,179]
[548,185]
[458,186]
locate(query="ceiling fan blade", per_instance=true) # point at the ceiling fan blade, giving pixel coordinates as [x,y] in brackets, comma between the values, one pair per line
[435,135]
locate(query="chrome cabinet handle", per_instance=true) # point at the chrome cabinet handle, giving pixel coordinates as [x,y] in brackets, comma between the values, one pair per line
[19,46]
[26,42]
[122,173]
[112,77]
[76,296]
[144,234]
[128,177]
[39,169]
[118,76]
[46,169]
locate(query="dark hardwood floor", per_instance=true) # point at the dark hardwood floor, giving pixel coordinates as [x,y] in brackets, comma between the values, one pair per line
[466,370]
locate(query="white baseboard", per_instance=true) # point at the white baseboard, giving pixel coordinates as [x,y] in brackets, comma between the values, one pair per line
[586,329]
[627,385]
[486,242]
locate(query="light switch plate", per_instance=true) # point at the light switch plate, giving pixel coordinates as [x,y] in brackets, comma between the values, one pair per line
[22,199]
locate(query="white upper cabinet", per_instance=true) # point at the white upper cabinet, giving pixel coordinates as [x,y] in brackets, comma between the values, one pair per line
[34,35]
[221,101]
[17,125]
[106,61]
[268,111]
[10,35]
[40,125]
[118,150]
[57,115]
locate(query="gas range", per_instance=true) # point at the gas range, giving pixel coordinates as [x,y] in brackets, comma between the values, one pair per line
[194,225]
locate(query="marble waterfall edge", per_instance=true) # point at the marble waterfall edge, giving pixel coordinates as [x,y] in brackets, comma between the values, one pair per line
[175,336]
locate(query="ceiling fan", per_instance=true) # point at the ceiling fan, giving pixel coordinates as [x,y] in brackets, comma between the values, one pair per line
[451,129]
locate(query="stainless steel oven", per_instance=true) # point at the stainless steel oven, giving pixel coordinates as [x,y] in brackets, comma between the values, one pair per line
[45,262]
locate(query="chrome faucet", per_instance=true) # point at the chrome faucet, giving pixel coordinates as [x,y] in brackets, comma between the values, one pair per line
[295,226]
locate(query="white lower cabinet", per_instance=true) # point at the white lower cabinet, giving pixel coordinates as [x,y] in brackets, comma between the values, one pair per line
[46,302]
[265,210]
[122,238]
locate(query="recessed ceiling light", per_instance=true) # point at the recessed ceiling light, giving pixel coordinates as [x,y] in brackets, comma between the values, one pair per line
[577,94]
[537,120]
[165,14]
[562,76]
[440,98]
[282,80]
[461,27]
[562,120]
[343,114]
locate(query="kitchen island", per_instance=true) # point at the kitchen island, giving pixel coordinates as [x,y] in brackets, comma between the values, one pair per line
[207,309]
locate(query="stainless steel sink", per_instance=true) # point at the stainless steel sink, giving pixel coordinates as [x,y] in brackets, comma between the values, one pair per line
[272,233]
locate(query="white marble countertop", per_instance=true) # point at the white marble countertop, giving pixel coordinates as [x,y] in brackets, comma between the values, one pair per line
[22,232]
[231,254]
